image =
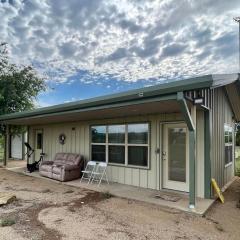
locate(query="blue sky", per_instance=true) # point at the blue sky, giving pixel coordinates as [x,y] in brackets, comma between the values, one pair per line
[88,48]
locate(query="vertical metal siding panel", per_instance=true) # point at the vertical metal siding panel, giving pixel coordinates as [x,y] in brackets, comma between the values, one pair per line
[221,114]
[82,139]
[109,173]
[143,178]
[121,175]
[77,140]
[128,176]
[73,139]
[86,141]
[152,176]
[114,175]
[135,177]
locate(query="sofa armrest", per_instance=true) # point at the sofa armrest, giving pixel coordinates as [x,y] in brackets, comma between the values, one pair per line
[68,167]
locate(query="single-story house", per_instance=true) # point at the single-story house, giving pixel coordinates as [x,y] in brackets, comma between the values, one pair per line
[175,135]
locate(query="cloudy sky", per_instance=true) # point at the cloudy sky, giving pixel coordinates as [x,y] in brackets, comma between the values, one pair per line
[87,48]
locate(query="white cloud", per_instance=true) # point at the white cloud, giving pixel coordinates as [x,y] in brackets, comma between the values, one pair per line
[127,39]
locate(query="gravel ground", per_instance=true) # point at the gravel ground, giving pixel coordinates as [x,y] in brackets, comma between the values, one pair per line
[49,210]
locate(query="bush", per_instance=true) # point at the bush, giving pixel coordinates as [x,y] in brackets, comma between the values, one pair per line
[7,222]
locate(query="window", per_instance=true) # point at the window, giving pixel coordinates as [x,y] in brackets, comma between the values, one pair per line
[228,137]
[39,140]
[98,143]
[116,144]
[138,144]
[124,144]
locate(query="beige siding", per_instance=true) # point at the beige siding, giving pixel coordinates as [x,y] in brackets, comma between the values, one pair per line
[221,113]
[77,140]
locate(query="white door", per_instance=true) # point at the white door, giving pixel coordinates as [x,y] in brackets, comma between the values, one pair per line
[175,157]
[38,144]
[16,146]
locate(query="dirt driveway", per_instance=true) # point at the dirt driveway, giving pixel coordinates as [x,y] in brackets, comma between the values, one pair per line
[48,210]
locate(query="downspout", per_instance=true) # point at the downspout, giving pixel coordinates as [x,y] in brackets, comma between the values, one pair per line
[192,151]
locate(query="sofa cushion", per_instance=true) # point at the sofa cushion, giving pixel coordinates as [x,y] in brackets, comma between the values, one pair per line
[61,157]
[59,162]
[57,169]
[73,159]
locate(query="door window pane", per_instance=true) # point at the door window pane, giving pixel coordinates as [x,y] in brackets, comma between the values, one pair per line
[99,153]
[116,134]
[39,140]
[138,155]
[177,154]
[138,133]
[116,154]
[98,134]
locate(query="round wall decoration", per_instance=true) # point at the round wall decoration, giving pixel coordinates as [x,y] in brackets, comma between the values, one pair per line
[62,138]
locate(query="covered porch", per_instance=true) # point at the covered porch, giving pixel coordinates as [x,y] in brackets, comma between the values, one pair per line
[177,104]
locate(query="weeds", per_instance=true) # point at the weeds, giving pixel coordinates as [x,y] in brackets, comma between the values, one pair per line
[7,222]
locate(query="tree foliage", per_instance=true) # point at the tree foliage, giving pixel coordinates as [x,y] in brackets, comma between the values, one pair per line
[238,134]
[19,85]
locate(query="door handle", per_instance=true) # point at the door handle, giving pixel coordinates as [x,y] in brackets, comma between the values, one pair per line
[164,154]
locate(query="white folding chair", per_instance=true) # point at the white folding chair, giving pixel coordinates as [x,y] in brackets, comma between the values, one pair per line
[100,173]
[87,173]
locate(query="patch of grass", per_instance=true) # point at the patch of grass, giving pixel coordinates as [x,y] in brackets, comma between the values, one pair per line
[107,195]
[237,161]
[238,166]
[7,222]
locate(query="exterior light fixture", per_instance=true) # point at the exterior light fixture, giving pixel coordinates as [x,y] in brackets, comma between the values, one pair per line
[198,101]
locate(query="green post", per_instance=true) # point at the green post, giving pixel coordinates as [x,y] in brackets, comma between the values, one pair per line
[207,155]
[192,170]
[192,149]
[6,146]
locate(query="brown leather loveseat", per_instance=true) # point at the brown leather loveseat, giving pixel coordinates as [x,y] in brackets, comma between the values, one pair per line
[64,167]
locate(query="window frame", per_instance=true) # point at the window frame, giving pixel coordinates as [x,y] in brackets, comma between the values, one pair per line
[125,144]
[228,143]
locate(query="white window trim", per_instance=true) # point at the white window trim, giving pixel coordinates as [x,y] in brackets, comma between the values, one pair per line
[228,144]
[125,144]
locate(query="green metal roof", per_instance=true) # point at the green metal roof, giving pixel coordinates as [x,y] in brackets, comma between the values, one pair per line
[207,81]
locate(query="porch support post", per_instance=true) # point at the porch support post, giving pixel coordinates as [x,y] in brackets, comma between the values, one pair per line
[6,146]
[207,155]
[192,151]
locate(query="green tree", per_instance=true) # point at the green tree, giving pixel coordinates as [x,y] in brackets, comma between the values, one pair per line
[19,85]
[238,134]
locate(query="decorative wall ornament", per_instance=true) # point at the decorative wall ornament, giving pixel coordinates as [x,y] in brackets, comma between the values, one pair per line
[62,138]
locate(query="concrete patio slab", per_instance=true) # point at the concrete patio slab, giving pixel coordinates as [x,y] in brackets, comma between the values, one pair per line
[136,193]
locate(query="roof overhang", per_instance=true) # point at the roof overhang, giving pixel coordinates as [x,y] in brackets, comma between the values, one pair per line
[162,104]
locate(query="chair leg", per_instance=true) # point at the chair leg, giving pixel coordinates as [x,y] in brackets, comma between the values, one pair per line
[90,178]
[100,180]
[82,178]
[106,177]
